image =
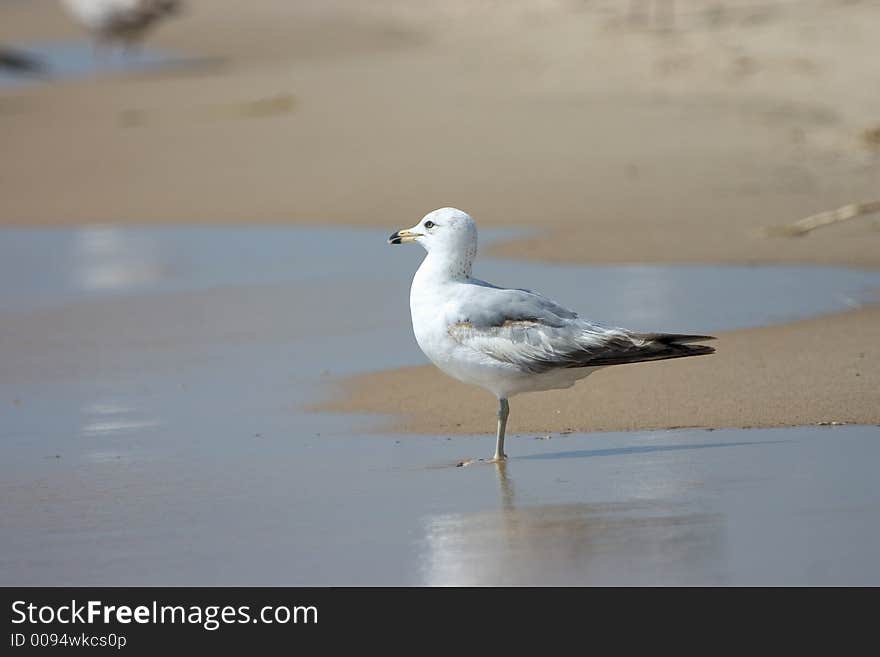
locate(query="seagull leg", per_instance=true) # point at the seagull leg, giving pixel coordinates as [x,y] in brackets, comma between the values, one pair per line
[503,412]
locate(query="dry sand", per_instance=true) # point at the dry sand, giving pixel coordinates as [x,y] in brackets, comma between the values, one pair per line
[619,139]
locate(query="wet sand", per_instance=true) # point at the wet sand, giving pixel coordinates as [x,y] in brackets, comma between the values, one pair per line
[759,507]
[155,429]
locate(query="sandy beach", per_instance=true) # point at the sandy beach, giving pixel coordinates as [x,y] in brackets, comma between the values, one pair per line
[209,375]
[617,141]
[612,138]
[194,327]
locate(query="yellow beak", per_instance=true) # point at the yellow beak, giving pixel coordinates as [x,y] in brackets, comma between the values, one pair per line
[404,236]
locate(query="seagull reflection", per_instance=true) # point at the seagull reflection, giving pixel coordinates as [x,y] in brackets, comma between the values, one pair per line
[640,541]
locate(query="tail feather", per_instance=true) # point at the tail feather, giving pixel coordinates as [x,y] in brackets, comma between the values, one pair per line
[678,345]
[674,338]
[654,346]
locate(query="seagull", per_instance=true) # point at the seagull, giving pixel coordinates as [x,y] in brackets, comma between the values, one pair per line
[122,21]
[510,341]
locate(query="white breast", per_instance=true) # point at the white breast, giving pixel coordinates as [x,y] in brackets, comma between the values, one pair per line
[434,310]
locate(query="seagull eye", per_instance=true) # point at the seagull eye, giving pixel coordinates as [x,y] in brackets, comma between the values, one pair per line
[429,225]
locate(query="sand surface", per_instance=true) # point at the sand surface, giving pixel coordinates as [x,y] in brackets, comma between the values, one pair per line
[615,137]
[621,141]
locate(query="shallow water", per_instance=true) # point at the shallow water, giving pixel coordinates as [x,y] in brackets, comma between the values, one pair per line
[63,60]
[152,430]
[204,503]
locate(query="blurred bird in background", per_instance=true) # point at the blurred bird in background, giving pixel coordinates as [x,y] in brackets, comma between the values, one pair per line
[121,22]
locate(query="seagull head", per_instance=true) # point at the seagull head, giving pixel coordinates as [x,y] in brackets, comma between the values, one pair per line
[446,229]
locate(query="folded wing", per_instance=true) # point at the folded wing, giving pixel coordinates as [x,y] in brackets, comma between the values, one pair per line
[537,335]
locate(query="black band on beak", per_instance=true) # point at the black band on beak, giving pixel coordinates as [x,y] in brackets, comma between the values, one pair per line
[395,238]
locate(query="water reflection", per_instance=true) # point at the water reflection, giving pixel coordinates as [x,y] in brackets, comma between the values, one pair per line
[103,419]
[641,541]
[111,258]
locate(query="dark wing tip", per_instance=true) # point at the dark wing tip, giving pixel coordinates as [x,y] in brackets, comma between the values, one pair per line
[675,338]
[698,350]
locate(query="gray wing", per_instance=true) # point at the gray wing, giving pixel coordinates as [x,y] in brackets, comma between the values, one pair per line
[536,335]
[485,305]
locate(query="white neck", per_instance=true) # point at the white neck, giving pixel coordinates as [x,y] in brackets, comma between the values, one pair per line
[444,266]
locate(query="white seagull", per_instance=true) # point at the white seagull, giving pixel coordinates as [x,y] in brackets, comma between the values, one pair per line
[121,21]
[505,340]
